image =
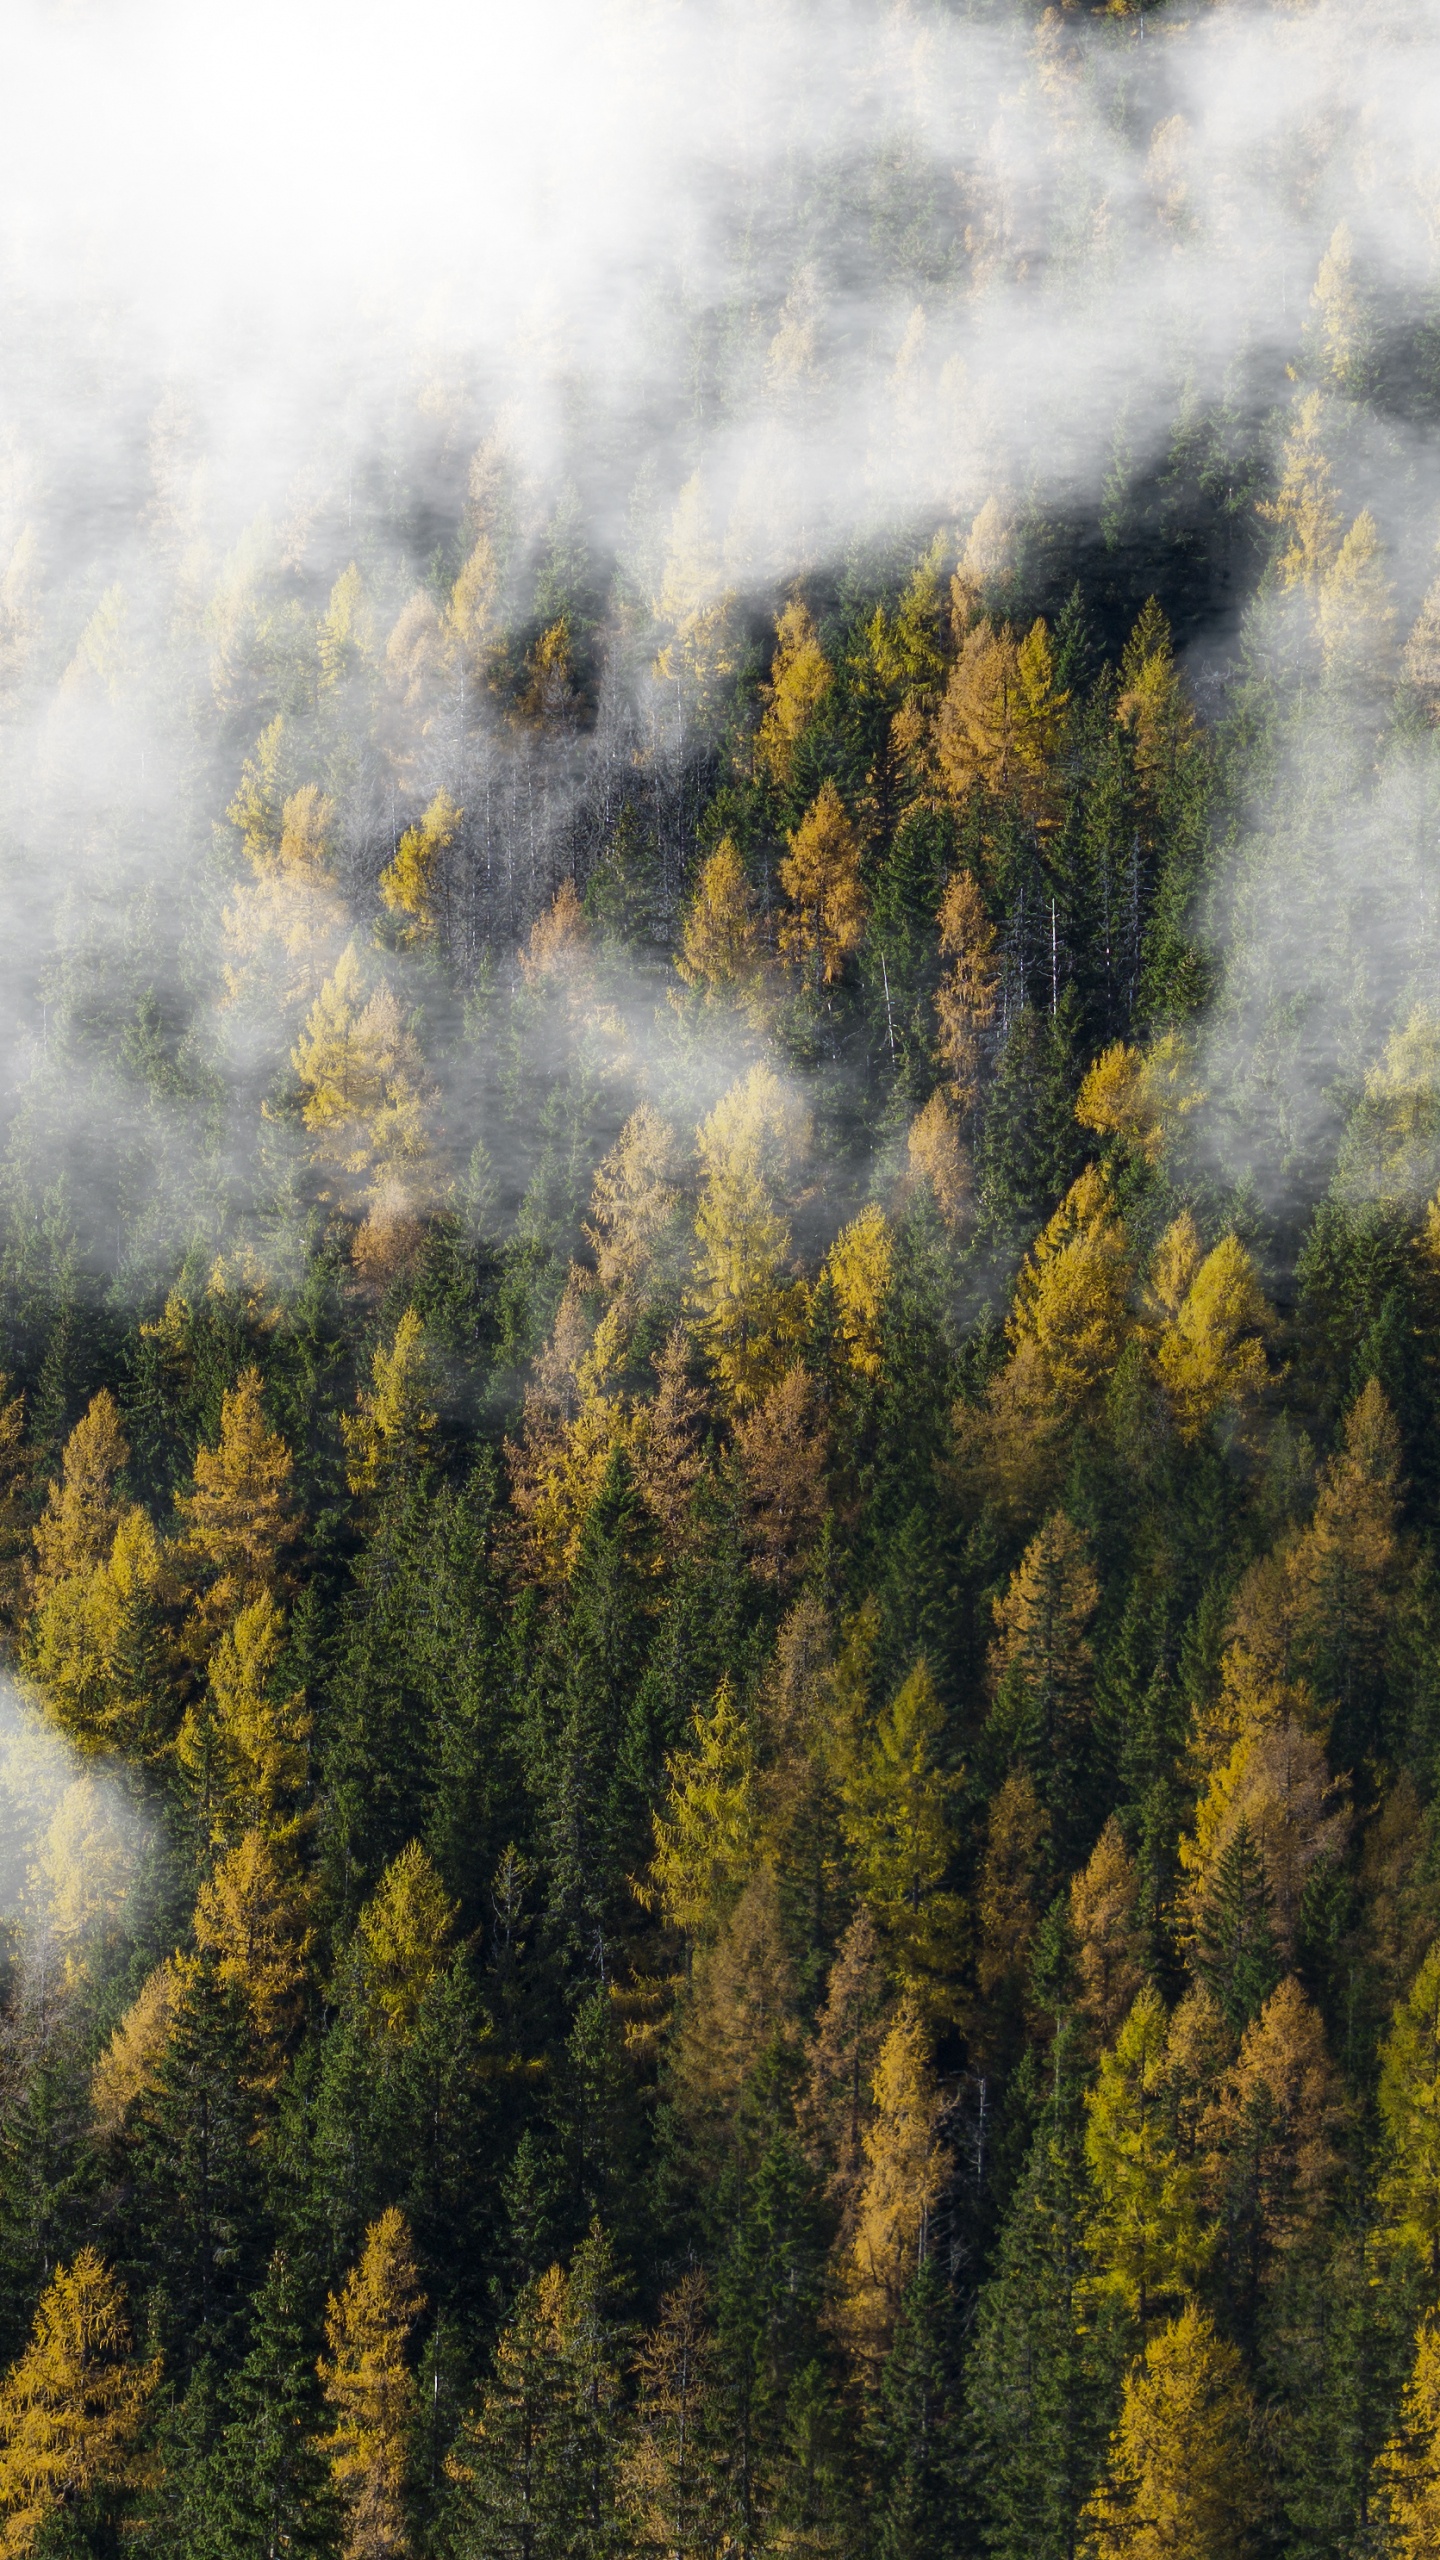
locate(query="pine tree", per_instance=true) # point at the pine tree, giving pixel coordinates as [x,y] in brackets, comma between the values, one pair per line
[268,2485]
[1041,1663]
[898,1829]
[1042,2380]
[1235,1950]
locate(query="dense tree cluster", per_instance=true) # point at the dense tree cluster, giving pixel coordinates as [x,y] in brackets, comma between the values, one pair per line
[718,1456]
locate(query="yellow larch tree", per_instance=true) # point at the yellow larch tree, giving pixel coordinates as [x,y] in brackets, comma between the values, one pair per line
[781,1446]
[1408,2196]
[1278,2124]
[1153,707]
[1303,510]
[1008,1899]
[1110,1944]
[906,2166]
[1000,723]
[1213,1322]
[77,1527]
[130,2062]
[252,1915]
[240,1516]
[1140,1095]
[705,1840]
[800,678]
[283,927]
[558,956]
[745,1307]
[1357,612]
[859,1267]
[897,1825]
[72,2405]
[370,2390]
[1276,1783]
[388,1438]
[414,885]
[1071,1307]
[403,1940]
[722,942]
[1183,2480]
[965,997]
[1407,2475]
[99,1647]
[245,1744]
[820,876]
[345,638]
[633,1201]
[364,1094]
[1146,2239]
[938,1155]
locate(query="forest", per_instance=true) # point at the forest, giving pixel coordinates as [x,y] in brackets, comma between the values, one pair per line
[719,1500]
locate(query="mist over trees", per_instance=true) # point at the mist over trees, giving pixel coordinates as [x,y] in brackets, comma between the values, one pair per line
[719,1291]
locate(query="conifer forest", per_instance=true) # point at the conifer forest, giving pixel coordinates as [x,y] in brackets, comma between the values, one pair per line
[720,1283]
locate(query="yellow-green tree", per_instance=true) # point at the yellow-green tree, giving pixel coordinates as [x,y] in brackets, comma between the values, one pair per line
[72,2405]
[240,1516]
[859,1266]
[938,1155]
[1146,2239]
[1110,1944]
[706,1838]
[245,1744]
[820,876]
[906,2166]
[253,1916]
[414,885]
[800,678]
[282,926]
[1183,2481]
[722,944]
[76,1529]
[363,1090]
[1214,1319]
[1407,2475]
[1071,1296]
[386,1440]
[402,1940]
[1409,2096]
[965,997]
[633,1201]
[370,2390]
[897,1825]
[744,1304]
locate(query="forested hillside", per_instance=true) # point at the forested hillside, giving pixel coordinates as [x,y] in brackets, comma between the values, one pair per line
[719,1497]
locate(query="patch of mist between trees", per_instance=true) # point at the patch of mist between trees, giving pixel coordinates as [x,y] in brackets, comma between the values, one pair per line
[72,1842]
[1139,213]
[624,213]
